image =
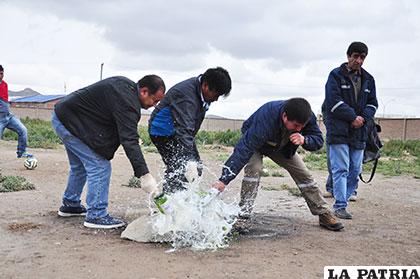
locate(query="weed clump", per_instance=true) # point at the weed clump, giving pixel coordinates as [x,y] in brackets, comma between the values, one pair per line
[11,183]
[133,182]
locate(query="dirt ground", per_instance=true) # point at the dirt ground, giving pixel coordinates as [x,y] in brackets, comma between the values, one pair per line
[287,242]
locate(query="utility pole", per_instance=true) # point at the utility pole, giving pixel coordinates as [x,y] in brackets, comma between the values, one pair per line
[102,68]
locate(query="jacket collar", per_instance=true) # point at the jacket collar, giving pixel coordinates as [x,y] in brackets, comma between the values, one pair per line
[280,115]
[205,104]
[345,71]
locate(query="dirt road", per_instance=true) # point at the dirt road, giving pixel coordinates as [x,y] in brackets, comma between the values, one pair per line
[35,243]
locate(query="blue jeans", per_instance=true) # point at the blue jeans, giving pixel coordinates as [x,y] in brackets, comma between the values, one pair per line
[9,121]
[346,165]
[85,164]
[329,183]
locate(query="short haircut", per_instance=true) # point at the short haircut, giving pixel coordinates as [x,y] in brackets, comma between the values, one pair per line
[298,109]
[153,82]
[357,47]
[1,68]
[218,80]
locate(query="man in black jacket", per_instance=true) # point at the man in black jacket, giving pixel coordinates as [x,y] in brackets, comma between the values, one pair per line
[92,123]
[177,119]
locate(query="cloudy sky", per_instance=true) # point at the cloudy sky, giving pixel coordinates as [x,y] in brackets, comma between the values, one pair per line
[273,49]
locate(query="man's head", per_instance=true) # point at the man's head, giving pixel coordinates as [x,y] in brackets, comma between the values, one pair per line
[215,82]
[356,54]
[1,72]
[151,90]
[296,113]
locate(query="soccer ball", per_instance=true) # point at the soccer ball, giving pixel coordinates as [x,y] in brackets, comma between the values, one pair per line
[31,163]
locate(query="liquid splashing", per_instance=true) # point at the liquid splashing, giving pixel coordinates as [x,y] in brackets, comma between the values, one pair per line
[195,218]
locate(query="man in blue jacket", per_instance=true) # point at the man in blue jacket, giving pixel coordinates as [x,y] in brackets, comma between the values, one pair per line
[350,100]
[177,119]
[276,130]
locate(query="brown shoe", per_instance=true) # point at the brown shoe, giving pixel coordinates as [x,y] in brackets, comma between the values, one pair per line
[328,221]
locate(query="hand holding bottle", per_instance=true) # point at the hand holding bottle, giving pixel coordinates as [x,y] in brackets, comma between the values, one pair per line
[148,184]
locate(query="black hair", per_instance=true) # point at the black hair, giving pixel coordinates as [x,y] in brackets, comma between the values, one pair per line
[357,47]
[153,82]
[218,80]
[1,68]
[298,109]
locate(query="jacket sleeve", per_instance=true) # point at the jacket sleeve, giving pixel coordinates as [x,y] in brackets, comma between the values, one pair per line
[127,119]
[196,155]
[251,141]
[184,114]
[313,135]
[335,103]
[372,102]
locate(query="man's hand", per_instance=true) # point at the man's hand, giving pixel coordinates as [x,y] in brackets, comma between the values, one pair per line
[219,186]
[358,122]
[297,139]
[148,184]
[191,171]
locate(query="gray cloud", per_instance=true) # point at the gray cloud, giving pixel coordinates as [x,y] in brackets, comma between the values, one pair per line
[282,30]
[288,44]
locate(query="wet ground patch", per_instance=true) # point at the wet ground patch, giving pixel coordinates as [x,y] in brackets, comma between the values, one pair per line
[268,226]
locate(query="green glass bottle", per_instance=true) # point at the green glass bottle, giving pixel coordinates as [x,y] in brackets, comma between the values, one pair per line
[162,204]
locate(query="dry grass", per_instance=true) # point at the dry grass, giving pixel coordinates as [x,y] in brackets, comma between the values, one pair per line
[24,227]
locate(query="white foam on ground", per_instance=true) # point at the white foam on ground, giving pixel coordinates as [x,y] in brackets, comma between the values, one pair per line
[192,224]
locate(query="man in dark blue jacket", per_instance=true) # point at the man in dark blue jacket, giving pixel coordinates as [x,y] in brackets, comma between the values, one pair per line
[92,123]
[350,100]
[276,130]
[177,119]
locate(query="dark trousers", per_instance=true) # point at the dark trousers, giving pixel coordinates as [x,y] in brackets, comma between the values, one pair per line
[175,156]
[329,183]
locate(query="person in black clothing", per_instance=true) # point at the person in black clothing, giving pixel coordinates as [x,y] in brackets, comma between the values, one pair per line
[92,123]
[177,119]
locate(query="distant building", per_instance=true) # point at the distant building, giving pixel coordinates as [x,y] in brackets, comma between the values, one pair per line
[13,95]
[36,101]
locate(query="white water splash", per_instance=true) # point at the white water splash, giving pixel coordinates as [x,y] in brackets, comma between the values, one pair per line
[194,223]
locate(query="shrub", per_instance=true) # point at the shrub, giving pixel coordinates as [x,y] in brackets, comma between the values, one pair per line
[11,183]
[399,148]
[227,138]
[144,136]
[133,182]
[40,134]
